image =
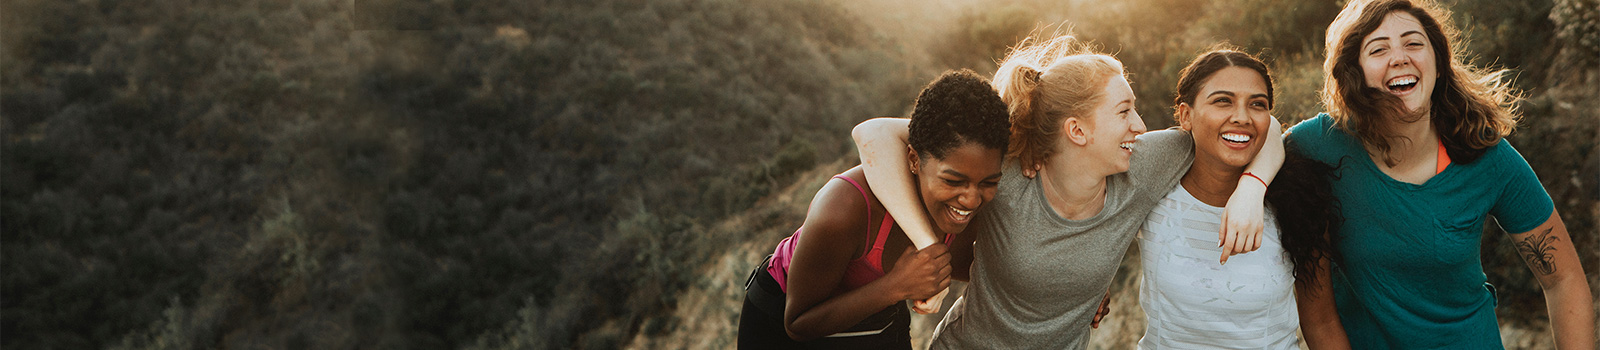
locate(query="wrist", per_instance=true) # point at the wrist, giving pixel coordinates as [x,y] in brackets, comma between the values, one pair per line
[1257,179]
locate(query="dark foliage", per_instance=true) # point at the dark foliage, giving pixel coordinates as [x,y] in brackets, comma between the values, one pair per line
[270,173]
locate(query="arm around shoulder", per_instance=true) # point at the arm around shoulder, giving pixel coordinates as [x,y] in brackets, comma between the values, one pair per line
[882,145]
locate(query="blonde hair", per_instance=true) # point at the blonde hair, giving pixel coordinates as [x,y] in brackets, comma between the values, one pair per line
[1471,109]
[1044,83]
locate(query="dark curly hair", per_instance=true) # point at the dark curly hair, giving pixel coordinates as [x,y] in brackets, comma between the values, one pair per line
[1308,214]
[958,107]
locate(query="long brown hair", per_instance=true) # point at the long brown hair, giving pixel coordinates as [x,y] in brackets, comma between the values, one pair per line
[1043,84]
[1471,109]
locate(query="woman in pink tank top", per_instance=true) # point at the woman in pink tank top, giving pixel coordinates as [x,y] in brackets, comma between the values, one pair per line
[829,285]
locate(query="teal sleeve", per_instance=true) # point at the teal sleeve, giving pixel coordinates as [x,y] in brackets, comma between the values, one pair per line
[1315,138]
[1523,204]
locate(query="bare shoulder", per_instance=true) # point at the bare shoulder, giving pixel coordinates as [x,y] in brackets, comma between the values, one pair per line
[839,212]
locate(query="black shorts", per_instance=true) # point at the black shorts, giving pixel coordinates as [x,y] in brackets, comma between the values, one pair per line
[761,322]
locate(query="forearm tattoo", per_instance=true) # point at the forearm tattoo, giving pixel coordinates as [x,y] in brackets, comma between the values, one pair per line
[1539,250]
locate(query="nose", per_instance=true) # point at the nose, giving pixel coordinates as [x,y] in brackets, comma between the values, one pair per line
[971,198]
[1240,116]
[1400,60]
[1138,124]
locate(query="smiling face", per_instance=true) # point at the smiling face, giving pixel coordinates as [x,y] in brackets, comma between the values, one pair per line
[1399,59]
[1229,116]
[1115,125]
[955,187]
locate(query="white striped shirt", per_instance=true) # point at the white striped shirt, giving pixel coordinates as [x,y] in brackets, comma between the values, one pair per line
[1192,301]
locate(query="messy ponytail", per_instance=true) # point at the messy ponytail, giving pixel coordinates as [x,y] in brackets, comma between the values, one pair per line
[1043,83]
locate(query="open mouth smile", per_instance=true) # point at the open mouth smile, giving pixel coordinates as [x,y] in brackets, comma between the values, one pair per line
[1236,140]
[959,216]
[1402,84]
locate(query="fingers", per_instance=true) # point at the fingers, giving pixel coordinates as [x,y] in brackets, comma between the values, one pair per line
[923,307]
[1100,314]
[1258,238]
[939,253]
[1227,245]
[911,251]
[931,304]
[1241,240]
[1255,240]
[1222,230]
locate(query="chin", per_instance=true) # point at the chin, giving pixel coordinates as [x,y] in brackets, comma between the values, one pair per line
[952,228]
[1122,167]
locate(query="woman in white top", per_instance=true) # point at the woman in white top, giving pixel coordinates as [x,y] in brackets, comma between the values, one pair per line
[1256,300]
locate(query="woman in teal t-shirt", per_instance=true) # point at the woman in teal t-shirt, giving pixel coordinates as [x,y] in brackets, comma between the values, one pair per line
[1420,136]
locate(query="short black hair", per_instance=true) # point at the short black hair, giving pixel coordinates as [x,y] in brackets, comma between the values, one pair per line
[960,106]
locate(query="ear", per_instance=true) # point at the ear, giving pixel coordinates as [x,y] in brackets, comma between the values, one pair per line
[916,161]
[1076,131]
[1184,116]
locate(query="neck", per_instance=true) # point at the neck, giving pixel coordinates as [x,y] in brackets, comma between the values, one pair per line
[1073,193]
[1211,183]
[1412,140]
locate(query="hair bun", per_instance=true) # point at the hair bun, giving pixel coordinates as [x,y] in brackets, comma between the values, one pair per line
[1030,75]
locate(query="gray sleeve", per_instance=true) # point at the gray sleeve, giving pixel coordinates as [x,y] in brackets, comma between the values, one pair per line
[1159,159]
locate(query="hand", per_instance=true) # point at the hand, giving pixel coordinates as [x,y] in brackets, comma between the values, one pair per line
[1105,308]
[931,305]
[1030,172]
[920,274]
[1243,219]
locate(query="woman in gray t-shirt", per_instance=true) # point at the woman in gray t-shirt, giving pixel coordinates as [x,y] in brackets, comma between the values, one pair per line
[1043,254]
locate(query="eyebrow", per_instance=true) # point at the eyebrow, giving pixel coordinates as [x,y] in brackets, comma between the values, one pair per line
[1408,33]
[964,176]
[1231,94]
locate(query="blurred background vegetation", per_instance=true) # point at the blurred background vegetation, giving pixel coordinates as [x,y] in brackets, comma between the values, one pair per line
[544,174]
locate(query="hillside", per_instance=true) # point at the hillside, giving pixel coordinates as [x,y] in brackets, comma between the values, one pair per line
[180,174]
[387,174]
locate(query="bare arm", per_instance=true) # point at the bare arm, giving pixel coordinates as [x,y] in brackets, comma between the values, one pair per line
[882,143]
[1548,251]
[1244,216]
[1319,319]
[833,234]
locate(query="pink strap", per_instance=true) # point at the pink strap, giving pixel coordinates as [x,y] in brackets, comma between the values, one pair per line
[867,200]
[875,256]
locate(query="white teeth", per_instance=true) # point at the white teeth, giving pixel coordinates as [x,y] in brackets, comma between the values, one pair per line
[1236,137]
[1126,145]
[1407,80]
[962,212]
